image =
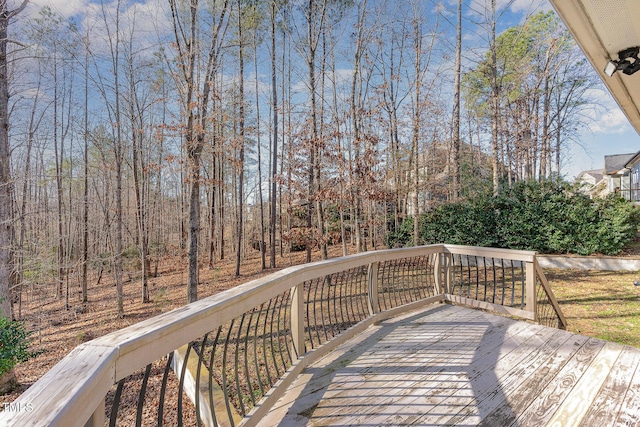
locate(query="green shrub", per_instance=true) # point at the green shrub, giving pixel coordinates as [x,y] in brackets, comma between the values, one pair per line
[14,344]
[402,236]
[460,224]
[618,224]
[546,216]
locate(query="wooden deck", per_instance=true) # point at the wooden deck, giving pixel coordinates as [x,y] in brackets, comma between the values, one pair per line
[448,365]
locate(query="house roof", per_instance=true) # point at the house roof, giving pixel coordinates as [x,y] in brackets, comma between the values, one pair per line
[595,173]
[615,162]
[634,160]
[602,28]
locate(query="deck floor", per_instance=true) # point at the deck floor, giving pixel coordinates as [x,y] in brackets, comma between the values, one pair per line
[449,365]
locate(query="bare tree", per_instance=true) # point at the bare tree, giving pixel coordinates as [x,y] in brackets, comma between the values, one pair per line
[274,142]
[455,161]
[240,142]
[195,103]
[6,214]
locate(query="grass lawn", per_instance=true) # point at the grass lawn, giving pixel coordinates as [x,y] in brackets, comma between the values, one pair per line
[601,304]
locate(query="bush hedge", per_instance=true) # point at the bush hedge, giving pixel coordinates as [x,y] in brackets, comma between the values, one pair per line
[14,344]
[547,217]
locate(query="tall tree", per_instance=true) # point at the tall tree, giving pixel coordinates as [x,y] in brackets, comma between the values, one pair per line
[114,43]
[195,102]
[136,114]
[240,141]
[455,163]
[356,119]
[6,214]
[256,40]
[274,142]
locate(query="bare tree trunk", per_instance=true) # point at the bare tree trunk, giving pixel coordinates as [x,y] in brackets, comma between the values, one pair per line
[213,206]
[240,228]
[59,158]
[139,181]
[85,195]
[6,217]
[494,103]
[311,64]
[417,109]
[355,123]
[114,46]
[195,106]
[274,149]
[263,260]
[455,163]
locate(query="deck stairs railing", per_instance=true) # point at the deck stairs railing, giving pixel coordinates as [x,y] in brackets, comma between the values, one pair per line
[226,359]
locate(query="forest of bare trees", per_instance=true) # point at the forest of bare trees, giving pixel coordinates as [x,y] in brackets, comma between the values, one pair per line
[208,129]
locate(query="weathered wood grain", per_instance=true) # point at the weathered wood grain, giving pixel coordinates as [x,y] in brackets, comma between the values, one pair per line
[557,390]
[629,414]
[449,366]
[525,382]
[581,397]
[606,405]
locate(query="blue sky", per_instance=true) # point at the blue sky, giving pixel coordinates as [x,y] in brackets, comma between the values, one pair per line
[607,132]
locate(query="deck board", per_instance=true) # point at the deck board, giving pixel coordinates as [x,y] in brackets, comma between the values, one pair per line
[449,365]
[606,406]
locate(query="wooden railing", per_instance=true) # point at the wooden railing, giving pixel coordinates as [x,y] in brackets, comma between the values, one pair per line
[226,359]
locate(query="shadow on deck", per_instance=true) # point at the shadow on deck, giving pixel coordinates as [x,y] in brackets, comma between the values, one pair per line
[449,365]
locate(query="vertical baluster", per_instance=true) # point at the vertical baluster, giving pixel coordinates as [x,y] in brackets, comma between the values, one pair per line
[494,267]
[246,359]
[297,319]
[314,302]
[211,379]
[372,287]
[163,389]
[264,344]
[255,351]
[236,366]
[225,383]
[271,322]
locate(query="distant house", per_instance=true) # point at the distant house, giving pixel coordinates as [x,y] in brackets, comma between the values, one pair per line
[633,168]
[621,174]
[617,174]
[593,182]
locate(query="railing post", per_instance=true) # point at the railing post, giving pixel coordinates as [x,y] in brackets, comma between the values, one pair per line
[297,319]
[372,288]
[530,291]
[98,417]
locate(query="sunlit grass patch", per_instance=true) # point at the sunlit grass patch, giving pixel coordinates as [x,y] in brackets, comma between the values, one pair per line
[601,304]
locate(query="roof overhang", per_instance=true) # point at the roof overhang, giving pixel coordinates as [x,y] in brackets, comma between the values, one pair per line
[602,28]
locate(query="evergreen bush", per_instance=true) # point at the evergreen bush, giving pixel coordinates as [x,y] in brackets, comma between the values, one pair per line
[14,344]
[543,216]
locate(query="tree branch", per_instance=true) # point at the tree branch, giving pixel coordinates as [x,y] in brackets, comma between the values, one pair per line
[19,9]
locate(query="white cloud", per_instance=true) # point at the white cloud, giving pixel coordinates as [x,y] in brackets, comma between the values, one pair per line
[613,122]
[526,7]
[530,6]
[606,117]
[146,20]
[66,8]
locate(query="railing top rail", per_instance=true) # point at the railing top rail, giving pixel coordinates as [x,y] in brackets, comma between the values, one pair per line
[76,385]
[512,254]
